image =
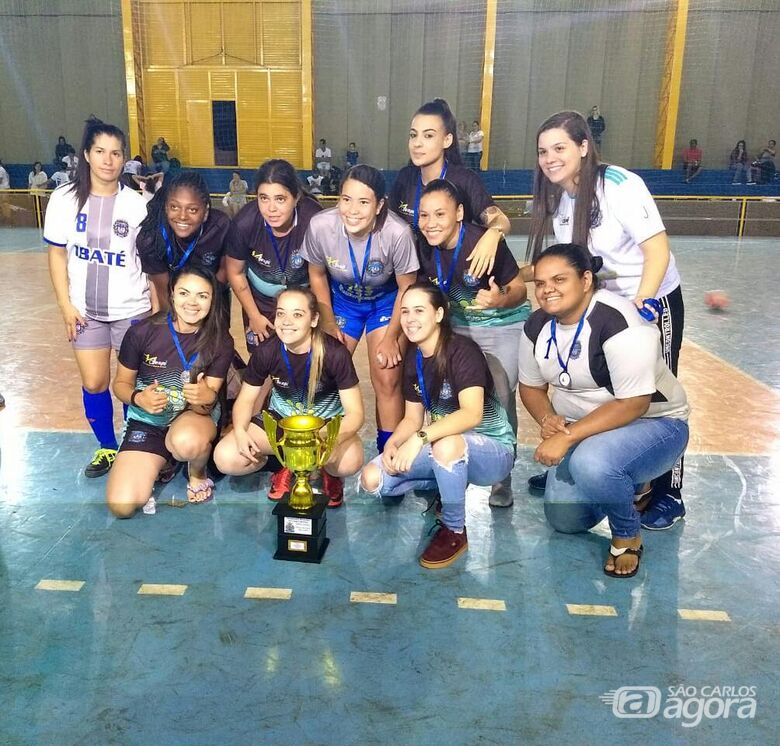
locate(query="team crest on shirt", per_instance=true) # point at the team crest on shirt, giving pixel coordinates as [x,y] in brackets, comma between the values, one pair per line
[375,267]
[564,220]
[333,261]
[446,390]
[469,280]
[404,208]
[341,322]
[576,350]
[260,259]
[136,436]
[153,362]
[209,258]
[280,382]
[121,228]
[296,261]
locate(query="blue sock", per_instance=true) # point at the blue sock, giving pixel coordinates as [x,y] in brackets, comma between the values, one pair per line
[99,410]
[382,436]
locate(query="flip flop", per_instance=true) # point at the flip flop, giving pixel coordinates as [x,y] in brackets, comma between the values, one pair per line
[193,493]
[615,552]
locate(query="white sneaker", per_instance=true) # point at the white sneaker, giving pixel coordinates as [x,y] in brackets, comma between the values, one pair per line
[151,506]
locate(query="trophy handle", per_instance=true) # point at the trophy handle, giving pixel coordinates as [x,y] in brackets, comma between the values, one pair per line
[331,433]
[270,426]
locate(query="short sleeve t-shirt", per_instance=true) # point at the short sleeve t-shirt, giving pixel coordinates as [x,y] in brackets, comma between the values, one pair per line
[463,288]
[692,155]
[207,252]
[403,195]
[617,356]
[288,395]
[149,349]
[466,368]
[249,241]
[392,253]
[105,277]
[629,216]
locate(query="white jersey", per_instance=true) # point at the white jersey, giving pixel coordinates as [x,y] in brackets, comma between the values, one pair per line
[5,182]
[59,178]
[629,216]
[105,281]
[132,167]
[616,356]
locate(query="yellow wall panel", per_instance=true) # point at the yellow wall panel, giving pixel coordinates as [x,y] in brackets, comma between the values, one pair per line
[286,95]
[255,143]
[286,142]
[160,93]
[239,34]
[252,94]
[194,84]
[281,36]
[201,134]
[223,85]
[163,29]
[205,33]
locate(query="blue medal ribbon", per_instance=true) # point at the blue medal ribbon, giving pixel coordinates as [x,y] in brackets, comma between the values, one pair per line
[187,252]
[304,401]
[564,374]
[444,285]
[282,264]
[421,382]
[360,277]
[418,192]
[187,364]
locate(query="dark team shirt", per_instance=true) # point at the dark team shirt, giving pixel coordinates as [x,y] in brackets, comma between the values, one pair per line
[466,367]
[338,374]
[475,197]
[207,253]
[249,242]
[149,349]
[463,287]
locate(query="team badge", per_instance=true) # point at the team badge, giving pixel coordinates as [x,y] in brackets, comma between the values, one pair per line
[121,228]
[136,436]
[209,258]
[446,391]
[375,267]
[296,261]
[341,322]
[469,280]
[576,350]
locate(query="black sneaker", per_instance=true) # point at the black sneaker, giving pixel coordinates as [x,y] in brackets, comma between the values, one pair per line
[101,463]
[537,484]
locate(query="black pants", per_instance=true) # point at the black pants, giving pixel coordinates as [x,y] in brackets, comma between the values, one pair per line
[671,324]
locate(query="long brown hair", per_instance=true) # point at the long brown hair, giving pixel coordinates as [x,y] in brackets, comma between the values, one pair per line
[547,196]
[317,339]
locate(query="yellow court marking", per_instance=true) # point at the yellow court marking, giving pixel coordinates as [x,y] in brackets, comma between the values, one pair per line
[704,615]
[48,584]
[362,597]
[483,604]
[591,610]
[274,594]
[161,589]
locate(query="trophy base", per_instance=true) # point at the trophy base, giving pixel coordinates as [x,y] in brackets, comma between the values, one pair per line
[301,534]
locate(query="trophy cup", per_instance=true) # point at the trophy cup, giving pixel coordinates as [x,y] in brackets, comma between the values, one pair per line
[301,522]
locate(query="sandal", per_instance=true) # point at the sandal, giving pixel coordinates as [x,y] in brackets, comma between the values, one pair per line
[615,553]
[169,470]
[194,493]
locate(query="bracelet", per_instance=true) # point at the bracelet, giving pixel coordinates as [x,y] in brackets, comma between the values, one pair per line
[132,397]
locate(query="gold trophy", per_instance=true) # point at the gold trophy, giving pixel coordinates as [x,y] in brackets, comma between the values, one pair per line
[301,535]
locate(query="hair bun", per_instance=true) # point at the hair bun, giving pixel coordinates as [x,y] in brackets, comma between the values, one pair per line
[596,263]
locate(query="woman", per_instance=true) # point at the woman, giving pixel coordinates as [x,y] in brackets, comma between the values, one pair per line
[37,179]
[170,370]
[474,147]
[235,199]
[181,230]
[454,431]
[597,124]
[91,226]
[311,373]
[610,210]
[616,417]
[434,154]
[263,254]
[361,257]
[490,310]
[739,163]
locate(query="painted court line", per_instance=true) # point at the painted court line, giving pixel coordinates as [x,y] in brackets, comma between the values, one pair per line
[362,597]
[483,604]
[591,610]
[49,584]
[161,589]
[704,615]
[274,594]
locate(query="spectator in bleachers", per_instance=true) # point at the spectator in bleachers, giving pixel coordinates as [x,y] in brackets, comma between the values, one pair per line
[764,166]
[739,163]
[597,124]
[235,198]
[132,168]
[315,183]
[474,148]
[160,152]
[70,159]
[61,149]
[37,178]
[59,177]
[691,158]
[463,137]
[5,181]
[352,156]
[323,157]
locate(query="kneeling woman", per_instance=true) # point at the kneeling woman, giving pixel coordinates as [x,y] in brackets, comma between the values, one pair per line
[617,415]
[171,368]
[446,381]
[312,373]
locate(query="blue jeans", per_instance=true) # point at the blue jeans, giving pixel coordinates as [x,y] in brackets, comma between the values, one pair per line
[596,478]
[485,461]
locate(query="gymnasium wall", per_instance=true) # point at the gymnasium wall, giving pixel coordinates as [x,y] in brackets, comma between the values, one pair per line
[60,60]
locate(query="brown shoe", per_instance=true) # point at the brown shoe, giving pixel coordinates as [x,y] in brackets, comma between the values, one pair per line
[445,547]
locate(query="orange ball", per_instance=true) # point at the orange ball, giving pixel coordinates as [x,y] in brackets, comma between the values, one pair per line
[716,300]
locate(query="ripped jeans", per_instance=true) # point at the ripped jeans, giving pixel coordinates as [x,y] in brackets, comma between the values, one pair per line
[485,462]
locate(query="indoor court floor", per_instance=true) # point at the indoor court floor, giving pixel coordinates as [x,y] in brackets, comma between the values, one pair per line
[180,628]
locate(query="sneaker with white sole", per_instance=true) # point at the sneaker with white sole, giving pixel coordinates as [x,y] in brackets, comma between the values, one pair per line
[101,463]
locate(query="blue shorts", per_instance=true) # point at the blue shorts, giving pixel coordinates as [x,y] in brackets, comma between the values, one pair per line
[353,316]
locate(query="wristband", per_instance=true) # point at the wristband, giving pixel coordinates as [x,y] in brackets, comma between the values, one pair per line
[132,397]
